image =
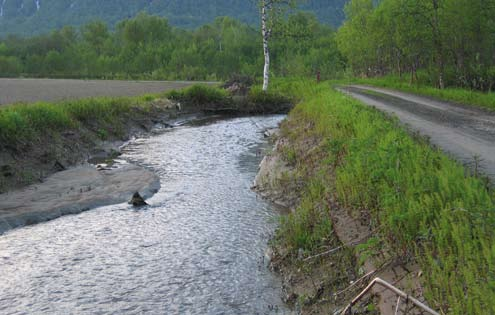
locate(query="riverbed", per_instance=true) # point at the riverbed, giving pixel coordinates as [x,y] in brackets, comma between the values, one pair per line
[198,248]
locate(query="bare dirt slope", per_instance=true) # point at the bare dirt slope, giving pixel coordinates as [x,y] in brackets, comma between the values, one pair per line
[465,133]
[33,90]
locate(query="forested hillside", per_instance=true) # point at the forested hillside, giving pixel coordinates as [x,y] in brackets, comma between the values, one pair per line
[148,47]
[438,42]
[28,17]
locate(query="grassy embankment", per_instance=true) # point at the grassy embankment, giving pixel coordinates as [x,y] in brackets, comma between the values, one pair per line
[35,136]
[422,203]
[40,138]
[457,95]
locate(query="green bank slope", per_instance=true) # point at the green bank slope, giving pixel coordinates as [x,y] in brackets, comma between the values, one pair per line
[421,204]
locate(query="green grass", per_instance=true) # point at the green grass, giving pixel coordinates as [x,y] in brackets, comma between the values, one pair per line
[24,123]
[200,95]
[458,95]
[424,203]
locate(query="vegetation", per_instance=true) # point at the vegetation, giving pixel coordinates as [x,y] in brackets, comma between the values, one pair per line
[458,95]
[147,47]
[422,203]
[22,124]
[215,99]
[23,17]
[438,42]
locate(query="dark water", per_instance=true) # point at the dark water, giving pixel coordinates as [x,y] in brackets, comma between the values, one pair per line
[198,249]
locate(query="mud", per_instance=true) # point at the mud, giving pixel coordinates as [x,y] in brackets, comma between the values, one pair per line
[74,191]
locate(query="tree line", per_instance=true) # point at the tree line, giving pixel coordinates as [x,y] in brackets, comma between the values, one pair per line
[148,47]
[439,42]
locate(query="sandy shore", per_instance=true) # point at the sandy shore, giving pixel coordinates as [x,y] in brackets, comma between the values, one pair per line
[73,191]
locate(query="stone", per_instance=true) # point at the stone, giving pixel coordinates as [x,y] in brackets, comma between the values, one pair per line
[137,200]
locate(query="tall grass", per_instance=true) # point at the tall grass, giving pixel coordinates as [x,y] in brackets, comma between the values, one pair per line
[458,95]
[424,203]
[22,123]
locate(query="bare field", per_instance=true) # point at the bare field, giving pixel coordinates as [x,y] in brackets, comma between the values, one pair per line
[33,90]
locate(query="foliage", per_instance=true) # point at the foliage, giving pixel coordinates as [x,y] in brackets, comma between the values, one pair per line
[424,203]
[147,47]
[199,94]
[22,16]
[450,41]
[258,96]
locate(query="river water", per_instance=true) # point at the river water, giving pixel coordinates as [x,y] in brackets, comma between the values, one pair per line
[197,249]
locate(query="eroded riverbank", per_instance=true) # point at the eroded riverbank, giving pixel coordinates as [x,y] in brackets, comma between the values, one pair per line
[198,248]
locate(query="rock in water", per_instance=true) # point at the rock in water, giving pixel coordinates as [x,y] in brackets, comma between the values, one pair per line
[137,200]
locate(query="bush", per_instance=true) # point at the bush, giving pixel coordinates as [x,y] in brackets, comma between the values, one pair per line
[267,98]
[200,95]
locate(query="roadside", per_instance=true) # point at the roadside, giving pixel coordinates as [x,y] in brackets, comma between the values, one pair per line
[466,133]
[368,199]
[466,97]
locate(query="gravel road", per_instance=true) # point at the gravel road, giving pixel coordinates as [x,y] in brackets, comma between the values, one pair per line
[465,133]
[32,90]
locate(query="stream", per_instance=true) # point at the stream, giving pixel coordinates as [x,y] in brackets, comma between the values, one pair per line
[197,249]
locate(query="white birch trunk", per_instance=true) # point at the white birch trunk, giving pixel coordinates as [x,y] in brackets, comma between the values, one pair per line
[266,50]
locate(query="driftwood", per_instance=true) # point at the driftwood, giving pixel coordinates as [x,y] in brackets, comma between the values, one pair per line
[388,286]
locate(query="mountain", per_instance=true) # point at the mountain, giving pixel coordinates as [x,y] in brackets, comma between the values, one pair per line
[28,17]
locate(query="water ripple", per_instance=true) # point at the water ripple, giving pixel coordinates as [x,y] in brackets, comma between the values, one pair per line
[195,250]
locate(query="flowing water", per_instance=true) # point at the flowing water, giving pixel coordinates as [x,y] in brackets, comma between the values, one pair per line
[197,249]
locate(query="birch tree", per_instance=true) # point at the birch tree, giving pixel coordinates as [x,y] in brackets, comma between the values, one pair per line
[271,12]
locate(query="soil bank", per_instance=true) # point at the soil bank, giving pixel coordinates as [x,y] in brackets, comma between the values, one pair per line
[324,281]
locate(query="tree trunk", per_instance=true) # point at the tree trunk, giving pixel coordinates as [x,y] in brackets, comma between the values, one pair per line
[437,39]
[266,50]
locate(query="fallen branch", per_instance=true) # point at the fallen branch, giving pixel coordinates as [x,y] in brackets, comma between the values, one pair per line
[378,281]
[369,274]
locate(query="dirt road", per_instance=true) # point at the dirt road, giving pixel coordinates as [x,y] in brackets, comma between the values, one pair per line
[32,90]
[465,133]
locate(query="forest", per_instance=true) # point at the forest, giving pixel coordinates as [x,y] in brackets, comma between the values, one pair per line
[33,17]
[439,42]
[148,47]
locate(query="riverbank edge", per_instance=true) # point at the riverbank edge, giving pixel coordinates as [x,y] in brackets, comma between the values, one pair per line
[125,181]
[87,142]
[418,205]
[164,115]
[307,281]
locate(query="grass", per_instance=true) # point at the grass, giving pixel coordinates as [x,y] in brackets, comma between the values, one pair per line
[457,95]
[200,95]
[24,123]
[425,204]
[216,98]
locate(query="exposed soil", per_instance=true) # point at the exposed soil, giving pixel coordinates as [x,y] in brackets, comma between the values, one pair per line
[73,172]
[311,285]
[325,281]
[34,90]
[466,133]
[33,162]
